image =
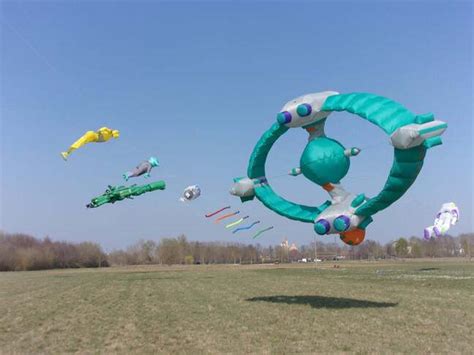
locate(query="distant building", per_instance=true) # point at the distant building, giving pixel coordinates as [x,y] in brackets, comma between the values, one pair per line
[293,252]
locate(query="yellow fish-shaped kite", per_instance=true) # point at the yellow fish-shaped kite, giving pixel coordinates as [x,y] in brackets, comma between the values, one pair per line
[101,135]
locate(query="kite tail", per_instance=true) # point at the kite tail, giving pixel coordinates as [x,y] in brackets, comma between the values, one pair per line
[245,228]
[262,231]
[216,212]
[226,216]
[230,225]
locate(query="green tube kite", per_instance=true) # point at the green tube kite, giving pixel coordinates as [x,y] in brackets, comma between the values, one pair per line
[119,193]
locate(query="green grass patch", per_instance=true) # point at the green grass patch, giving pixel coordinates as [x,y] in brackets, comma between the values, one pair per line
[410,307]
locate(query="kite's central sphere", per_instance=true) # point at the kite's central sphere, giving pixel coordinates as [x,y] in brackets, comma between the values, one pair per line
[323,161]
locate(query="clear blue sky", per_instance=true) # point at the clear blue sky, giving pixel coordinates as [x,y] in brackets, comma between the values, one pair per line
[197,83]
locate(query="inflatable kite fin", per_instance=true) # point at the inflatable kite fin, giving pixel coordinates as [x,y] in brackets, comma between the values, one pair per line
[426,131]
[245,199]
[352,152]
[295,172]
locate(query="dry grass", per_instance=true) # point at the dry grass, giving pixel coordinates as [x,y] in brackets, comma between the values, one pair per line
[410,307]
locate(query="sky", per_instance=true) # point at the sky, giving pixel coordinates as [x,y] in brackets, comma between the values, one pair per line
[196,84]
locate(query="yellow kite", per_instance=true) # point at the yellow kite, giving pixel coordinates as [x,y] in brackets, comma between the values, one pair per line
[102,135]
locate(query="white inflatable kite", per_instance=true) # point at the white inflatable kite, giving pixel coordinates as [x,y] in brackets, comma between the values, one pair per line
[447,216]
[190,193]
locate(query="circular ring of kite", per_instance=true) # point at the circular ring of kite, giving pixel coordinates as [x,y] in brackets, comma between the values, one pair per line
[326,162]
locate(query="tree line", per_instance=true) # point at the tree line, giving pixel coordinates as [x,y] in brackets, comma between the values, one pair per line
[19,252]
[24,252]
[180,250]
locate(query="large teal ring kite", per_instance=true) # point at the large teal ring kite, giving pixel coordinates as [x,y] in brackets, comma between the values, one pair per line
[325,161]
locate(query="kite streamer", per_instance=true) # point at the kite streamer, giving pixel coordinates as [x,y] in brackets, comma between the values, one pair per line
[245,228]
[226,216]
[230,225]
[262,231]
[216,212]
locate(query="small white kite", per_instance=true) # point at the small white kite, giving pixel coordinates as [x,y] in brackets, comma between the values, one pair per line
[447,216]
[190,193]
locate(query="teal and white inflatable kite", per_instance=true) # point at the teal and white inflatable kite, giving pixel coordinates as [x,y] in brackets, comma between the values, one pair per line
[326,162]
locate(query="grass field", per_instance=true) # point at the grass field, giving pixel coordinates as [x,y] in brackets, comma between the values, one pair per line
[411,307]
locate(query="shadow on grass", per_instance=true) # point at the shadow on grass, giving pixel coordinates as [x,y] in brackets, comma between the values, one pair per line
[146,278]
[323,302]
[429,269]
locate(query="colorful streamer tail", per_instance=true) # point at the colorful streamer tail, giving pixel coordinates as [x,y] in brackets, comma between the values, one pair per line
[245,228]
[237,222]
[262,231]
[226,216]
[216,212]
